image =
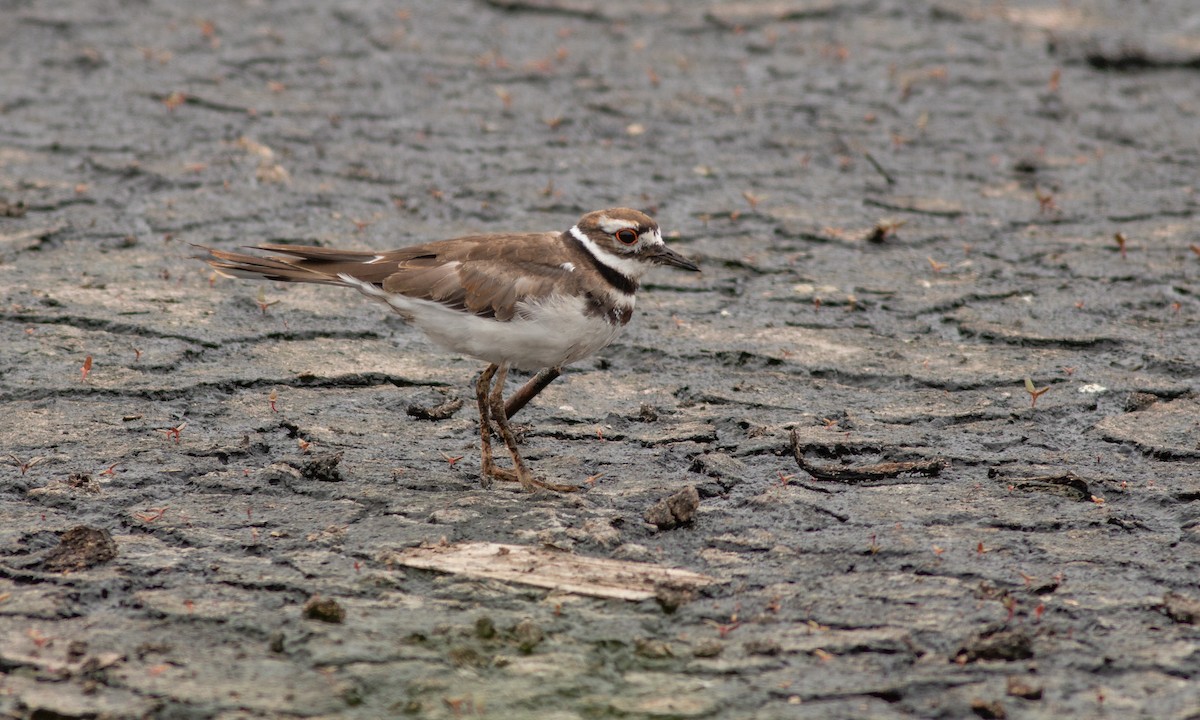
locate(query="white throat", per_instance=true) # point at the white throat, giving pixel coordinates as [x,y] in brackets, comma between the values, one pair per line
[629,267]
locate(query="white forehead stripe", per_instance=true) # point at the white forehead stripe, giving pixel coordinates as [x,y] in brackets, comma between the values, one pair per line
[629,267]
[612,225]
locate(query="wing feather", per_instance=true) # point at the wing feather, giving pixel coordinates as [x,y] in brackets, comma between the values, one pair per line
[484,276]
[488,276]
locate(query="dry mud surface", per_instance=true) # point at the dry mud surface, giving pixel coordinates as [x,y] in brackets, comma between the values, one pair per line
[902,210]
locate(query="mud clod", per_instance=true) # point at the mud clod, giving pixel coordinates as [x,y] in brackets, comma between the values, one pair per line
[1018,687]
[485,628]
[323,468]
[80,548]
[671,596]
[652,649]
[992,710]
[1007,645]
[528,635]
[673,511]
[275,641]
[1181,608]
[324,609]
[1137,401]
[647,413]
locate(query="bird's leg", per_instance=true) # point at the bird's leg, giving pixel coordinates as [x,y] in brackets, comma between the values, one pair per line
[500,418]
[530,390]
[500,421]
[487,425]
[487,466]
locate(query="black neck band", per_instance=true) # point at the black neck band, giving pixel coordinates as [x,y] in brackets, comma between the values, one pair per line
[614,277]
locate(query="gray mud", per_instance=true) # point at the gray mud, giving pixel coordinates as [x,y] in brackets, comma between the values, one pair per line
[902,210]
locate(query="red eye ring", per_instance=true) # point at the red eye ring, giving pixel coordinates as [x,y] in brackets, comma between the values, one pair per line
[626,236]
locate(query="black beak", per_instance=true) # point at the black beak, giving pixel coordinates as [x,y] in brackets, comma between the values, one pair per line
[663,255]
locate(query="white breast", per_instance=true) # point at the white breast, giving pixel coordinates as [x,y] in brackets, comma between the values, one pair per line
[552,333]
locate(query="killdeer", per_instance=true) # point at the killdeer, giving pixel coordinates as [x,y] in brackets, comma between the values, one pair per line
[531,301]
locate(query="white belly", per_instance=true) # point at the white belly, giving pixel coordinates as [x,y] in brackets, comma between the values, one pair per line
[549,334]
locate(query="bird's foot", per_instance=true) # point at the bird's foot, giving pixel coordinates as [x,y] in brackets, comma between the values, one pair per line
[528,480]
[493,418]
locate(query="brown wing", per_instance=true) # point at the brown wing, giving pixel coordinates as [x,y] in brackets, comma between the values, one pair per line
[483,275]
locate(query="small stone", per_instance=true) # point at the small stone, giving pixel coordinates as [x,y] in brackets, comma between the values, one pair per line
[762,646]
[485,628]
[80,548]
[528,635]
[988,710]
[1181,609]
[76,650]
[633,551]
[599,531]
[466,656]
[275,641]
[352,695]
[647,413]
[652,649]
[1019,688]
[324,609]
[1136,401]
[671,596]
[323,468]
[673,511]
[1003,645]
[450,516]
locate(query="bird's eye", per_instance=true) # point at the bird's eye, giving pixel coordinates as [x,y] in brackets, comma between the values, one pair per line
[626,236]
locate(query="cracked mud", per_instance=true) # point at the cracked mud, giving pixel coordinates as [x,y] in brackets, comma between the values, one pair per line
[903,212]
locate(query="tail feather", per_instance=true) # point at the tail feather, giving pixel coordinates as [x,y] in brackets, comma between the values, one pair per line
[235,264]
[320,254]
